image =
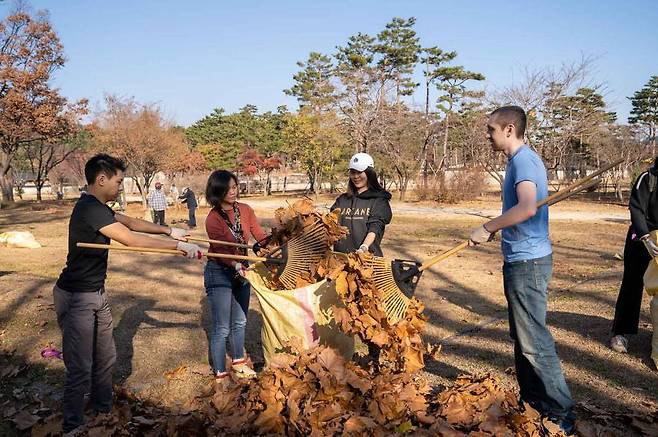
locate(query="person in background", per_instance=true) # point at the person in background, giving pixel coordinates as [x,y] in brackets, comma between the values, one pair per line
[158,203]
[189,199]
[639,249]
[173,193]
[80,301]
[227,290]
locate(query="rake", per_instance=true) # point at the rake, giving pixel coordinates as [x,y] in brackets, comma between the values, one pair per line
[397,279]
[298,254]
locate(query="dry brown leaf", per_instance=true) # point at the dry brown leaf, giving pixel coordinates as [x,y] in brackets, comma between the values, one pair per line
[51,426]
[178,372]
[24,420]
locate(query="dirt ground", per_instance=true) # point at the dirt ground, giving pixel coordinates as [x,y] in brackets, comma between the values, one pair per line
[161,315]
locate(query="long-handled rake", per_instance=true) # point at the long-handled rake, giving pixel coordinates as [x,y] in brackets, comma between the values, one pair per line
[298,254]
[397,279]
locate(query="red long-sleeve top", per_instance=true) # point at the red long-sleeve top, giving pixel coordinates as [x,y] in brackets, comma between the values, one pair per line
[217,229]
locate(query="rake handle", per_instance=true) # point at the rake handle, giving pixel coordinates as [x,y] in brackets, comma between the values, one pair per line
[220,242]
[168,251]
[576,187]
[440,257]
[581,181]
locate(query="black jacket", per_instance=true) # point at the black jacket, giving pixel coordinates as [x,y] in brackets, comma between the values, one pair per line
[188,198]
[369,211]
[644,203]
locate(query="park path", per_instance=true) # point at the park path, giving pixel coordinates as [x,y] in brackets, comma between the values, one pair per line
[605,213]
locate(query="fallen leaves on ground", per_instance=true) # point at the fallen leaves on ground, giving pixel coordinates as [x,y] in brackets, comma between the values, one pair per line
[316,392]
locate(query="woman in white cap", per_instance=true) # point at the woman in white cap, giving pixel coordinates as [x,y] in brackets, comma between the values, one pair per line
[364,208]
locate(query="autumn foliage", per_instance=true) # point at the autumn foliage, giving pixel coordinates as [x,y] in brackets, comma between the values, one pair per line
[141,136]
[32,113]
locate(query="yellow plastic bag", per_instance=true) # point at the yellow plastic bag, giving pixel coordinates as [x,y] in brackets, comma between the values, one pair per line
[303,313]
[654,322]
[651,274]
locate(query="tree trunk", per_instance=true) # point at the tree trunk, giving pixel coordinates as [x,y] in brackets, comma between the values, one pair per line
[141,191]
[318,183]
[6,178]
[7,185]
[311,180]
[444,158]
[39,188]
[427,98]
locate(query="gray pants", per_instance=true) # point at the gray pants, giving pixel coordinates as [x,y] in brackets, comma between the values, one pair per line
[89,352]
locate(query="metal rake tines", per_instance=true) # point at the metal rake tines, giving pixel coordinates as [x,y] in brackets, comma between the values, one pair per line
[302,252]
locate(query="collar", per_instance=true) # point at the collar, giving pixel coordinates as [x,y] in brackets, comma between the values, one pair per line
[524,146]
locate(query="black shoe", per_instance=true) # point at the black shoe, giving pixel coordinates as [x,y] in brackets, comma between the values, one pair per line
[567,425]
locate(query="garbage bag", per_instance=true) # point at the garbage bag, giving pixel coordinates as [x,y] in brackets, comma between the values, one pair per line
[654,322]
[651,274]
[303,313]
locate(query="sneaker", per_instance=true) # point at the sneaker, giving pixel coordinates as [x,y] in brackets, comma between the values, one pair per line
[566,424]
[222,380]
[242,370]
[619,343]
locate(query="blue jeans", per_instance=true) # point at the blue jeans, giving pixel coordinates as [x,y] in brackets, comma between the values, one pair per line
[538,369]
[228,296]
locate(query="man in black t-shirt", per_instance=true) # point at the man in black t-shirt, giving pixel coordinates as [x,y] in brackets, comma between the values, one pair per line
[83,313]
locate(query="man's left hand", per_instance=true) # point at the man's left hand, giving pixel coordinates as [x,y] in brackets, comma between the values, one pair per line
[179,233]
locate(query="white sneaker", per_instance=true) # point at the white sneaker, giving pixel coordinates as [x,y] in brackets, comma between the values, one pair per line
[242,370]
[222,380]
[619,343]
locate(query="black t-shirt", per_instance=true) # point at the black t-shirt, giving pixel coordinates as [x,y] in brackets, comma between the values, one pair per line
[86,269]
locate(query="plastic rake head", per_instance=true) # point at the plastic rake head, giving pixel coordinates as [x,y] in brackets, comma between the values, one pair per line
[302,252]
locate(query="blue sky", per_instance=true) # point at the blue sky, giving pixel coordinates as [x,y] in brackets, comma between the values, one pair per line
[190,57]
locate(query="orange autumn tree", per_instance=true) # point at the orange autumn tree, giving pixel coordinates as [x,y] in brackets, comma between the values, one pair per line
[31,112]
[251,163]
[141,136]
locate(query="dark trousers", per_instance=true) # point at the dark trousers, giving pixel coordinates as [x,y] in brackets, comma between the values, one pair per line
[159,217]
[89,352]
[629,301]
[538,369]
[191,217]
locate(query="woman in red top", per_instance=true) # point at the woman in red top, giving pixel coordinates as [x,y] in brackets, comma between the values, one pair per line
[227,290]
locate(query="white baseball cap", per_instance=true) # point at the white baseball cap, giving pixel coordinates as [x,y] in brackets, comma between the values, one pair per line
[361,161]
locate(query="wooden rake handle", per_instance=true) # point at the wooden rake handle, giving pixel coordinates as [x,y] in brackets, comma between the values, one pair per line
[220,242]
[570,190]
[440,257]
[168,251]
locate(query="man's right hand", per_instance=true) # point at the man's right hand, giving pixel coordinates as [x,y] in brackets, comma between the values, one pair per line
[651,246]
[479,236]
[240,269]
[191,250]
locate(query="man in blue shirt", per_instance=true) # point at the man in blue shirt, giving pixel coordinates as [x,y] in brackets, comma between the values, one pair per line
[527,269]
